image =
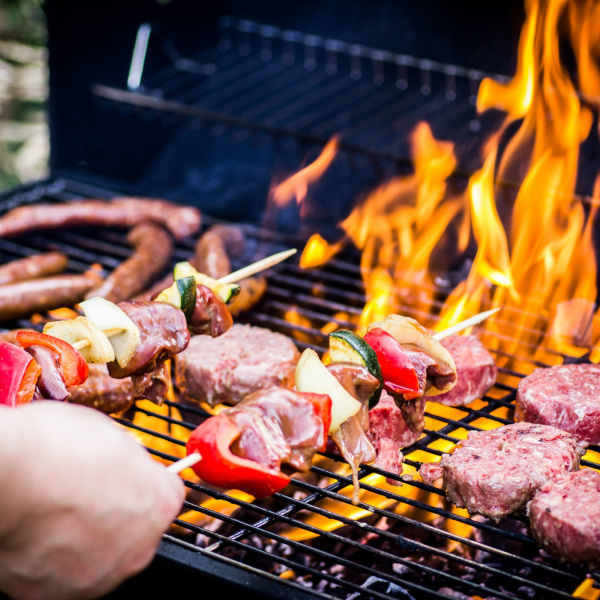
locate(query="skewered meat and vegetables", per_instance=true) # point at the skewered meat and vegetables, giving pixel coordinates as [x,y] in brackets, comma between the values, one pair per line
[153,248]
[26,297]
[565,516]
[181,221]
[19,373]
[241,361]
[475,368]
[245,447]
[50,384]
[495,473]
[313,377]
[32,267]
[565,396]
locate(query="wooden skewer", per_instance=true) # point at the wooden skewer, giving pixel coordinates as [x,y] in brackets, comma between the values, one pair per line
[247,271]
[259,265]
[184,463]
[474,320]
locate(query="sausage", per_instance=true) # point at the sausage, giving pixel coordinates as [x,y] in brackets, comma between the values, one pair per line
[181,221]
[153,251]
[251,291]
[32,267]
[214,248]
[36,295]
[102,392]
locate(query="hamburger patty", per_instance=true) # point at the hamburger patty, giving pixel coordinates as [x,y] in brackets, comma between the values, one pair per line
[495,473]
[565,516]
[566,396]
[475,369]
[229,367]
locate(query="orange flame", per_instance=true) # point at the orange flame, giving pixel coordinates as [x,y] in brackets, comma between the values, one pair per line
[295,187]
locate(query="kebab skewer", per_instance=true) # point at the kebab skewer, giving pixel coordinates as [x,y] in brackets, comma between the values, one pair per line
[213,447]
[132,338]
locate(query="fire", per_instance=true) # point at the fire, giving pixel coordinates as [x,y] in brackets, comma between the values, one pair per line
[295,187]
[535,255]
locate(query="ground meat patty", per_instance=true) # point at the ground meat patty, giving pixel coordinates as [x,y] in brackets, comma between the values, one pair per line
[565,516]
[495,473]
[475,369]
[566,396]
[389,430]
[235,364]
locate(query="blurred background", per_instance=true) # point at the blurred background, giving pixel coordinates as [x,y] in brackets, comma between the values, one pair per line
[23,92]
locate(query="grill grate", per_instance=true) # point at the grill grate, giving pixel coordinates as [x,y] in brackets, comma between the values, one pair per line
[399,542]
[288,83]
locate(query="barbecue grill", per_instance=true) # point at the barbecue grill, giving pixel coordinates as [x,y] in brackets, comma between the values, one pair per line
[286,92]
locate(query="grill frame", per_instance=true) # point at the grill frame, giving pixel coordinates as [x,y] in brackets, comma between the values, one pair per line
[209,562]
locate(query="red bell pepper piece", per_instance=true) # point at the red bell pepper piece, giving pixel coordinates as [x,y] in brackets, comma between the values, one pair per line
[219,466]
[72,365]
[19,373]
[399,376]
[322,407]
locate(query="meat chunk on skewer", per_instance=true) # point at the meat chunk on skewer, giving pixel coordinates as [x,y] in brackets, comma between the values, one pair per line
[391,429]
[565,516]
[153,248]
[565,396]
[181,221]
[495,473]
[237,363]
[475,368]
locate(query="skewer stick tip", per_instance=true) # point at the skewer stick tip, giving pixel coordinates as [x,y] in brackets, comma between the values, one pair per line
[184,463]
[474,320]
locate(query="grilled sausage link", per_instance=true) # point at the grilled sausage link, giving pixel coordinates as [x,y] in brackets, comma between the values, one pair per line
[214,248]
[26,297]
[181,221]
[153,251]
[32,267]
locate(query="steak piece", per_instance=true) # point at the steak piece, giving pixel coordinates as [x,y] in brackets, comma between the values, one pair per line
[565,396]
[390,430]
[495,473]
[475,369]
[565,516]
[241,361]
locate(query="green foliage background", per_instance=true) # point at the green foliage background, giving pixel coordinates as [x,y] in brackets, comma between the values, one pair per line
[23,92]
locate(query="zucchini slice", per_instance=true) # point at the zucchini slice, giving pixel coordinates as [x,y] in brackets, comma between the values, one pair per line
[106,315]
[181,294]
[225,291]
[312,376]
[98,349]
[346,346]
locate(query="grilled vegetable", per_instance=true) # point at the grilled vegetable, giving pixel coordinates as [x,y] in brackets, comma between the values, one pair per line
[19,373]
[182,294]
[312,376]
[72,366]
[399,375]
[225,291]
[108,316]
[98,349]
[412,335]
[346,346]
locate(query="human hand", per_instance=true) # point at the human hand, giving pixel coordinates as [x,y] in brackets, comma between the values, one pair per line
[83,505]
